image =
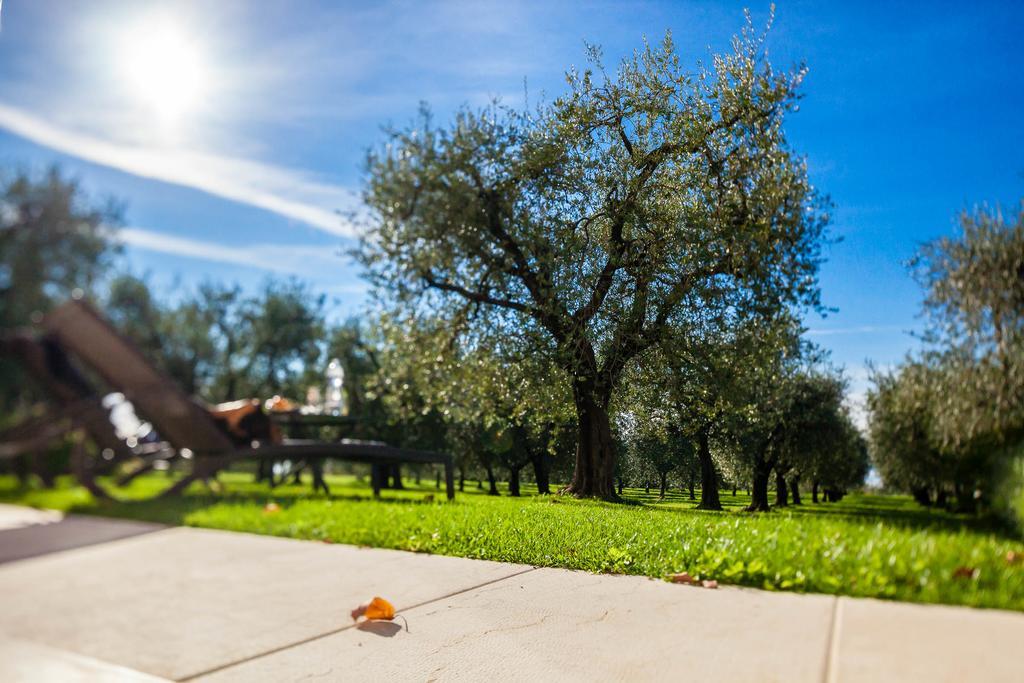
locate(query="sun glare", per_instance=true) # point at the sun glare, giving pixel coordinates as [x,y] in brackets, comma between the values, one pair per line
[164,70]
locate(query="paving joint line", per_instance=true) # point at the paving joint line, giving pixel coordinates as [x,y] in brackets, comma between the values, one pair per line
[327,634]
[830,675]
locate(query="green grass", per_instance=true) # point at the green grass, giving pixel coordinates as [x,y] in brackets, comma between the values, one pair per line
[867,545]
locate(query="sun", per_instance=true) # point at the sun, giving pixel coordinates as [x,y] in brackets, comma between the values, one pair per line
[163,69]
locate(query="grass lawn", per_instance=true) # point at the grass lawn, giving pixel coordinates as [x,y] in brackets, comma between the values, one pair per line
[867,545]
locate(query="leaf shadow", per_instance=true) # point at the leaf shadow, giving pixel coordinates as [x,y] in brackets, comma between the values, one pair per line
[384,629]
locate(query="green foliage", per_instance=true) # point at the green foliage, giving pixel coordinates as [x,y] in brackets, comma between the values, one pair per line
[284,327]
[52,240]
[867,545]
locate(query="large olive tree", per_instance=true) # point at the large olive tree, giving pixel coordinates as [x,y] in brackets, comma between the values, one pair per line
[588,225]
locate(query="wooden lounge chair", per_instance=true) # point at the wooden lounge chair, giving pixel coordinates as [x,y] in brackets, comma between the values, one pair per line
[77,405]
[186,424]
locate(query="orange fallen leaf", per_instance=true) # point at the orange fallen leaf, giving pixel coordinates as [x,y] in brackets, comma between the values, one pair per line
[966,573]
[1014,557]
[378,608]
[683,577]
[709,583]
[270,508]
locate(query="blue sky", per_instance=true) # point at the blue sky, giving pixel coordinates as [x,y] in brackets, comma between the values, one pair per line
[911,112]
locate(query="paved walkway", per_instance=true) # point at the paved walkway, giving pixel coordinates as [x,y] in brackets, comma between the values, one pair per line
[191,604]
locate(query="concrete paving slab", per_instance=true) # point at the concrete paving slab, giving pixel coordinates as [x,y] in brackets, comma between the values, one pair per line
[555,624]
[877,641]
[22,661]
[182,601]
[49,532]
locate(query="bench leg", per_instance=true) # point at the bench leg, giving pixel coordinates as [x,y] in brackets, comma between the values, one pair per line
[83,472]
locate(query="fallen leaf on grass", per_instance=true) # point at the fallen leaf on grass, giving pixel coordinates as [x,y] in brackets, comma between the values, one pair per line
[966,573]
[378,608]
[271,508]
[1014,557]
[683,577]
[686,579]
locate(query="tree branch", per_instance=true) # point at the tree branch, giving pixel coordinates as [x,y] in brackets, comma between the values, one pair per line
[477,296]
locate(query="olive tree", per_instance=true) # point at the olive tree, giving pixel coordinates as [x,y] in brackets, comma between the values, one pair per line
[818,440]
[587,225]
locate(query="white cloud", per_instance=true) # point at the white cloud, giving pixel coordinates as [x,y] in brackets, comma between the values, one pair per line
[288,259]
[283,191]
[862,329]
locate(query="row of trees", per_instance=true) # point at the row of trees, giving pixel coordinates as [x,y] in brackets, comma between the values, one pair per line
[948,423]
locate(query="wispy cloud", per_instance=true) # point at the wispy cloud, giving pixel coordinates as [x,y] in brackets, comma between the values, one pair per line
[283,191]
[287,259]
[861,329]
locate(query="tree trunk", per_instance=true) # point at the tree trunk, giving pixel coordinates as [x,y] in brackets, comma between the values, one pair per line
[620,486]
[513,481]
[708,477]
[794,488]
[692,485]
[594,475]
[759,488]
[462,480]
[814,492]
[781,492]
[647,486]
[437,480]
[492,481]
[540,472]
[664,484]
[23,469]
[964,498]
[733,490]
[922,495]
